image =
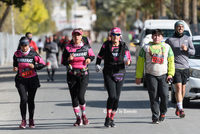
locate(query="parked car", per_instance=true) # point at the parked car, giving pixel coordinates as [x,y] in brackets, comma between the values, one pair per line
[192,90]
[167,26]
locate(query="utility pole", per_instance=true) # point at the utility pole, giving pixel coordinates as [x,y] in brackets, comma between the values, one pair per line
[12,19]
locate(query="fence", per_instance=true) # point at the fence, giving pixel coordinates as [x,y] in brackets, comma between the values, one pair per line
[8,45]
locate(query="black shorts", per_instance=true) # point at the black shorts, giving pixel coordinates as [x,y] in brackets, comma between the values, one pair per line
[181,76]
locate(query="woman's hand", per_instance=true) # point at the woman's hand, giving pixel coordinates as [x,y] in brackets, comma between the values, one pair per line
[31,65]
[15,69]
[128,62]
[71,57]
[87,61]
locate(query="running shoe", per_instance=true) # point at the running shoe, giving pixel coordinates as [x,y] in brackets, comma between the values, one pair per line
[112,124]
[48,79]
[162,118]
[31,123]
[78,122]
[52,79]
[155,121]
[182,113]
[23,124]
[107,122]
[177,112]
[85,120]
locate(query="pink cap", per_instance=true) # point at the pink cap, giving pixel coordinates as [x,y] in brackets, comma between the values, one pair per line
[77,31]
[115,30]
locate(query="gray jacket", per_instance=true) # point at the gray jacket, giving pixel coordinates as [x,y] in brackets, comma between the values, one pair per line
[181,56]
[51,51]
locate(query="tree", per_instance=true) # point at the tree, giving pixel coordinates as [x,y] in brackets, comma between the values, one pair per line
[17,3]
[186,11]
[48,25]
[31,17]
[33,12]
[194,11]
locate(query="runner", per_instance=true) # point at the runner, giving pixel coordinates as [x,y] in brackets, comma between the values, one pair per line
[113,53]
[182,46]
[51,49]
[32,44]
[26,80]
[76,57]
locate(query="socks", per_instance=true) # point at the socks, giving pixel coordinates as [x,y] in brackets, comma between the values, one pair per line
[83,108]
[180,106]
[76,111]
[109,111]
[112,114]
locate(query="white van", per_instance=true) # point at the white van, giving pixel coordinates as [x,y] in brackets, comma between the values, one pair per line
[167,26]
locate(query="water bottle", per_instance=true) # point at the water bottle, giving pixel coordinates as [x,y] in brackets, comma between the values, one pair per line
[83,71]
[70,68]
[125,60]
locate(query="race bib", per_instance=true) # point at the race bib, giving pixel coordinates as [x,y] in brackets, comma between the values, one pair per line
[158,59]
[26,73]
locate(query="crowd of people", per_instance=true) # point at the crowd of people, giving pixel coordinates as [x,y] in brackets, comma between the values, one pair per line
[164,62]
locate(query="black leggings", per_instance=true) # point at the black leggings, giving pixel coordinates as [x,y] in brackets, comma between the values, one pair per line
[27,88]
[77,87]
[114,90]
[27,95]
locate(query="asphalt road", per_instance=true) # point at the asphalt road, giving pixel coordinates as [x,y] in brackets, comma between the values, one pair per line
[54,113]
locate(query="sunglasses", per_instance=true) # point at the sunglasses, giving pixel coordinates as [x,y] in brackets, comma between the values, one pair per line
[116,34]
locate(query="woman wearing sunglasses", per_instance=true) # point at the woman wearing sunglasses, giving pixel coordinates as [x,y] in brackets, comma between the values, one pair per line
[113,53]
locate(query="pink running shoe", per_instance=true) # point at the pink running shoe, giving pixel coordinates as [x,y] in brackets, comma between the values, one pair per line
[31,123]
[85,120]
[23,124]
[78,122]
[177,112]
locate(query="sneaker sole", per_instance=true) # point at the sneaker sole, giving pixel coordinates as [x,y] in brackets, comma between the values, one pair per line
[182,116]
[31,126]
[107,126]
[22,127]
[86,124]
[155,122]
[113,126]
[78,125]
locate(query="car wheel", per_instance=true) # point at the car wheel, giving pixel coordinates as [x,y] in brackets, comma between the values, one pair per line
[173,98]
[186,102]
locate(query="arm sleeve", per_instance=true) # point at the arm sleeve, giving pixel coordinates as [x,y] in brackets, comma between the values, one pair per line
[41,64]
[15,63]
[171,66]
[91,55]
[65,56]
[140,64]
[100,55]
[128,55]
[191,49]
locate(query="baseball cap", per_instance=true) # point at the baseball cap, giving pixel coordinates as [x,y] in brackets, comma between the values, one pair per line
[178,23]
[24,42]
[115,30]
[77,31]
